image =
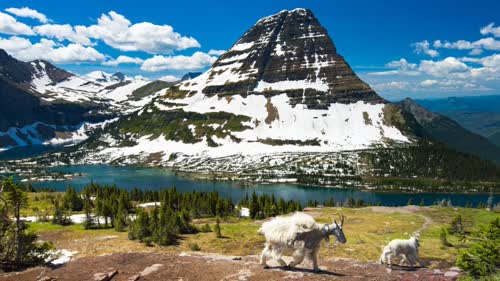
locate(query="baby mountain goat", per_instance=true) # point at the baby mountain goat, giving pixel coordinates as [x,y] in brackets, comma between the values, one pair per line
[298,235]
[407,249]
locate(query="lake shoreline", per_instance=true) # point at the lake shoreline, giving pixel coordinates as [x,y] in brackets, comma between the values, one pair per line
[245,183]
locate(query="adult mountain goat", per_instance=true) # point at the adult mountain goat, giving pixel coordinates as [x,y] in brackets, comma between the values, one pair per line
[298,235]
[406,248]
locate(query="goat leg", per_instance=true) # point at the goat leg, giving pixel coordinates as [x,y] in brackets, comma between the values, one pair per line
[296,260]
[314,258]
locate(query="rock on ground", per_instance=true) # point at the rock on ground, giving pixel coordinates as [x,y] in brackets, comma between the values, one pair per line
[197,266]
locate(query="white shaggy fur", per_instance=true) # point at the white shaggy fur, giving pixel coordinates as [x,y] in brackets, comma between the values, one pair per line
[407,249]
[298,235]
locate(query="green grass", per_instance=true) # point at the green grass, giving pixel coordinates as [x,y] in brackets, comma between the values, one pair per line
[40,201]
[44,227]
[150,89]
[367,231]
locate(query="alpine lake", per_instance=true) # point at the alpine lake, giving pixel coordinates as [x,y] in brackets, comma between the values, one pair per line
[130,177]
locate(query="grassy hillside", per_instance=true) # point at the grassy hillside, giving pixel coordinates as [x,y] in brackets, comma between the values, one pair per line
[150,88]
[367,231]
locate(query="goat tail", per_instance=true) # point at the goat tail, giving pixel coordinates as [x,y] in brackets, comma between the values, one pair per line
[260,231]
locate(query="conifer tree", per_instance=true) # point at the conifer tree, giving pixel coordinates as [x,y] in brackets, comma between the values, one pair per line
[217,229]
[254,206]
[87,208]
[121,219]
[410,202]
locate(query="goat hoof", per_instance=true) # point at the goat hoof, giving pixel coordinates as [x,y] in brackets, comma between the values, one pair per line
[266,267]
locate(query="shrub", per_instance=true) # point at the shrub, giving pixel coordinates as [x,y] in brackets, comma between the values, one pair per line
[205,228]
[483,256]
[456,226]
[443,238]
[194,247]
[217,228]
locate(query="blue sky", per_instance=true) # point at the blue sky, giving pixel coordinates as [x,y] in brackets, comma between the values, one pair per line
[393,45]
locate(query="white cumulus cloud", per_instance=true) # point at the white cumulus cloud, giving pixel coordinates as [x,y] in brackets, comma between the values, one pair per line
[123,60]
[46,49]
[216,52]
[118,32]
[428,82]
[491,29]
[444,67]
[9,25]
[169,78]
[198,60]
[63,32]
[393,85]
[424,47]
[26,12]
[477,47]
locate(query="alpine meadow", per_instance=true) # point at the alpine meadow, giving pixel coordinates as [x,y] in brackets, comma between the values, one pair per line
[345,140]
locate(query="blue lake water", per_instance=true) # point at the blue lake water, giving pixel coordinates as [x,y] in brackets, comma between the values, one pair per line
[155,178]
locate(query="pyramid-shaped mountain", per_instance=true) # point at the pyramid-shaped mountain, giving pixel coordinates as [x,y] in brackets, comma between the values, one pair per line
[287,52]
[282,87]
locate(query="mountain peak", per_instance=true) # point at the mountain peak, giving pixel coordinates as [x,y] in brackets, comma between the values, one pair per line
[119,75]
[297,11]
[4,55]
[289,52]
[102,77]
[420,113]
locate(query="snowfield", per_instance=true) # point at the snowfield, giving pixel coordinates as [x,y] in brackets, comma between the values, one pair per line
[62,135]
[114,96]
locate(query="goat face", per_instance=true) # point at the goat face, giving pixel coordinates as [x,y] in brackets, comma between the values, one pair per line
[337,231]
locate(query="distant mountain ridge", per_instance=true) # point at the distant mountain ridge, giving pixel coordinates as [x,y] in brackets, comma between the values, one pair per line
[43,104]
[449,132]
[190,75]
[479,114]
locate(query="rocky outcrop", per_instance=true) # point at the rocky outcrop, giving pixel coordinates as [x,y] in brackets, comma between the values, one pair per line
[288,52]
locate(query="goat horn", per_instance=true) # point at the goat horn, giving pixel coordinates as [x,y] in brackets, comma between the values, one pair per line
[342,217]
[334,221]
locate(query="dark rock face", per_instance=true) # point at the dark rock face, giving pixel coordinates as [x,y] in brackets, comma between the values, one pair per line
[190,75]
[23,72]
[20,104]
[292,46]
[118,76]
[55,73]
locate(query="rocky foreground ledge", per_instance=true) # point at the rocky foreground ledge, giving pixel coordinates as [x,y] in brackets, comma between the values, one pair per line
[196,266]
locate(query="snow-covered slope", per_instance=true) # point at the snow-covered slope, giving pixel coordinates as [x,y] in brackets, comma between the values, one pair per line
[43,104]
[104,78]
[281,88]
[98,87]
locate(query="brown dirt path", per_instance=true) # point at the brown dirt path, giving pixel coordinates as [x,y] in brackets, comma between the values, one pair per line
[405,210]
[197,266]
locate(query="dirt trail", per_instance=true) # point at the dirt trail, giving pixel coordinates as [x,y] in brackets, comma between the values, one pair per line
[406,210]
[196,266]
